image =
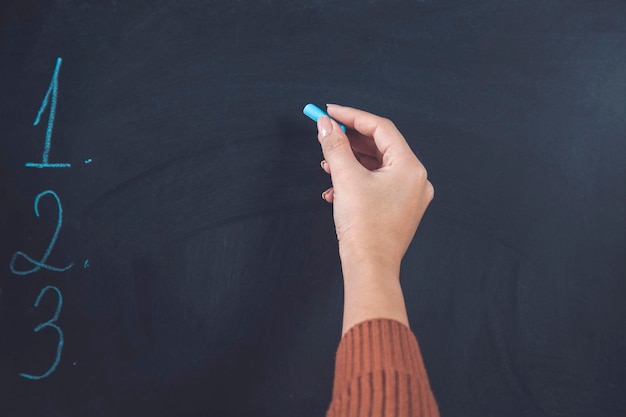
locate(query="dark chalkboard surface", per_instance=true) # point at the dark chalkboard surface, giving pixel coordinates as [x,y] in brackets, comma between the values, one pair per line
[167,252]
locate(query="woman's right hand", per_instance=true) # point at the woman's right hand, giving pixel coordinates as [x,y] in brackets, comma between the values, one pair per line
[380,189]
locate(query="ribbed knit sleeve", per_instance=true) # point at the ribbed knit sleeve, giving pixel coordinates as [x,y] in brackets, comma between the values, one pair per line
[379,371]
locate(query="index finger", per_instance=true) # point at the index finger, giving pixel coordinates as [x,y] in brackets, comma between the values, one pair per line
[387,137]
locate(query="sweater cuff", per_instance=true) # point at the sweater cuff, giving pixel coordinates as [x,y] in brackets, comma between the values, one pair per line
[376,345]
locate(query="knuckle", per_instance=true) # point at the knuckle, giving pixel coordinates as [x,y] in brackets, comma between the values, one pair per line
[430,191]
[387,124]
[421,184]
[420,174]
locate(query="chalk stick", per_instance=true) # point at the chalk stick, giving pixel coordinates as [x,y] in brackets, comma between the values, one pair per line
[314,112]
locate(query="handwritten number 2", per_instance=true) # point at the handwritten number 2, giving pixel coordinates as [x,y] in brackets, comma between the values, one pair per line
[49,98]
[37,265]
[50,323]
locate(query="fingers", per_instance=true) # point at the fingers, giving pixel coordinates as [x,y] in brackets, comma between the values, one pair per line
[388,140]
[325,166]
[336,147]
[329,195]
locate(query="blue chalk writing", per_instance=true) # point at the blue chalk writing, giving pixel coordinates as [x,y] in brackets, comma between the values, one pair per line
[50,97]
[86,264]
[37,265]
[50,323]
[88,161]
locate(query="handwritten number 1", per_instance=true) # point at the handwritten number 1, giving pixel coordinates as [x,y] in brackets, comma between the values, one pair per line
[49,98]
[37,265]
[50,323]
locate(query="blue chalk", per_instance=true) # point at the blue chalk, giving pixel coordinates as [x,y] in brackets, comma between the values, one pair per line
[314,112]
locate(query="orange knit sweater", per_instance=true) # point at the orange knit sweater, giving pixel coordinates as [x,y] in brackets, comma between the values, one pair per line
[379,372]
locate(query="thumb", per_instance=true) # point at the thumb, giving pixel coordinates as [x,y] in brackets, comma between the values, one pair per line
[335,146]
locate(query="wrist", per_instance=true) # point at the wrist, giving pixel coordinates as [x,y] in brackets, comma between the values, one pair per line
[372,291]
[369,267]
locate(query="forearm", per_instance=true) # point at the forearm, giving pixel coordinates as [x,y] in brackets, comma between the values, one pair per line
[371,290]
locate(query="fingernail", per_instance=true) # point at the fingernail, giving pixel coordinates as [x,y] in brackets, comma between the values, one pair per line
[324,195]
[324,126]
[323,164]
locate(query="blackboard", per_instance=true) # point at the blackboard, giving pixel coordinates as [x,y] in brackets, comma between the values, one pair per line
[197,270]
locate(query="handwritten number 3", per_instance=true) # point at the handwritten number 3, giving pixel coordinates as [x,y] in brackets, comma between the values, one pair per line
[37,265]
[49,323]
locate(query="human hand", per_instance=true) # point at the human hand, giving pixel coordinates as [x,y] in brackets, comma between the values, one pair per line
[380,189]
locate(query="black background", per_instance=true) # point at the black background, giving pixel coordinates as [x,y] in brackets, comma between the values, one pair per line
[213,284]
